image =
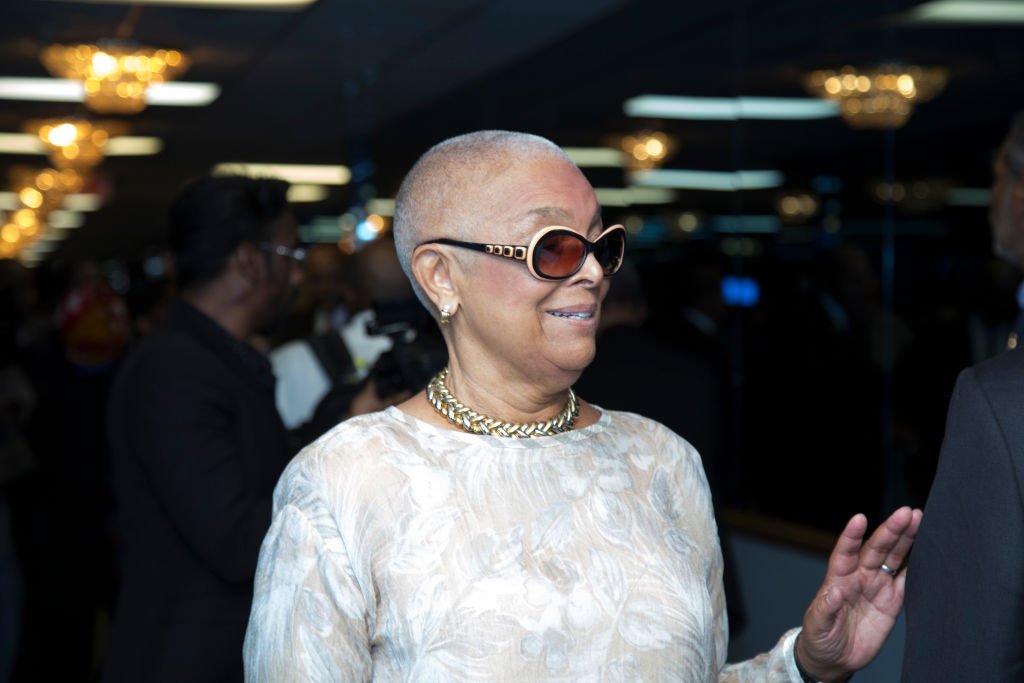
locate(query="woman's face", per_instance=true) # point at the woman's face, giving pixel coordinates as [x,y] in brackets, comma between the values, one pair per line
[540,330]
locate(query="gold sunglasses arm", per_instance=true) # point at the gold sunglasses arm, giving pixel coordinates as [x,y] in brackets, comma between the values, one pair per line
[507,251]
[504,250]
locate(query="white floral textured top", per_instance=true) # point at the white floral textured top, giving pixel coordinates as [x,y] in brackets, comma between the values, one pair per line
[404,552]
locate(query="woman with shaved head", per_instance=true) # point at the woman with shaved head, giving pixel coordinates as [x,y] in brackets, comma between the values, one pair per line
[496,527]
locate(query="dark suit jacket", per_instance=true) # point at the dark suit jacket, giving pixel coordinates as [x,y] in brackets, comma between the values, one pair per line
[965,582]
[198,447]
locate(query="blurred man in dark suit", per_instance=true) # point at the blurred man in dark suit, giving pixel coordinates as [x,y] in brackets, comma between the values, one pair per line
[197,442]
[965,586]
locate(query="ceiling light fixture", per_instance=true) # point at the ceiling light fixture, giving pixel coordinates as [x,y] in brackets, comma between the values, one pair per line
[729,108]
[969,196]
[187,94]
[74,143]
[115,75]
[647,149]
[721,181]
[967,12]
[882,97]
[121,145]
[382,206]
[302,174]
[595,157]
[214,4]
[306,193]
[628,196]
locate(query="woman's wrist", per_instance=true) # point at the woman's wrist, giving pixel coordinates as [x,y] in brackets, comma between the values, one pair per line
[805,676]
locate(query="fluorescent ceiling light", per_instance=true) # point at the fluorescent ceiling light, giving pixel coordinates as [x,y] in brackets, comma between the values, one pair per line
[967,12]
[41,90]
[708,180]
[595,157]
[62,219]
[182,94]
[54,236]
[123,146]
[40,247]
[628,196]
[82,202]
[175,93]
[293,173]
[306,193]
[21,143]
[730,109]
[968,196]
[381,207]
[745,223]
[133,146]
[73,202]
[217,4]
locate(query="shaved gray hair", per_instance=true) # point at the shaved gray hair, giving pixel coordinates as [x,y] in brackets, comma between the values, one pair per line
[442,193]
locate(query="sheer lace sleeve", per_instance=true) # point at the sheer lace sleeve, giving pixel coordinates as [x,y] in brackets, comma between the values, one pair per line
[309,619]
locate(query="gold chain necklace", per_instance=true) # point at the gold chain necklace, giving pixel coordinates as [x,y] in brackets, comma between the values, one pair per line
[474,422]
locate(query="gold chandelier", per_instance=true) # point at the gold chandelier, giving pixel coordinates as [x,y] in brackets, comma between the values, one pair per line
[115,75]
[74,143]
[647,149]
[882,97]
[39,192]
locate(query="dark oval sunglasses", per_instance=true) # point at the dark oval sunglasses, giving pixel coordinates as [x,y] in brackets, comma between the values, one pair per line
[556,252]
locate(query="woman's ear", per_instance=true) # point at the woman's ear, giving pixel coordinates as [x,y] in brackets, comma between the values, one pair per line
[433,270]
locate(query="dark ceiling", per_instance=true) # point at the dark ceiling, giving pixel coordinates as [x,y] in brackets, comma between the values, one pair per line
[372,84]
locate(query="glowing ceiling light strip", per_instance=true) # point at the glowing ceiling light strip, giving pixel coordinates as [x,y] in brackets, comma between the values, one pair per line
[41,247]
[968,196]
[175,93]
[182,94]
[133,146]
[21,143]
[41,90]
[721,181]
[595,157]
[55,236]
[628,196]
[381,206]
[83,202]
[293,173]
[219,4]
[62,219]
[123,146]
[967,12]
[730,109]
[306,193]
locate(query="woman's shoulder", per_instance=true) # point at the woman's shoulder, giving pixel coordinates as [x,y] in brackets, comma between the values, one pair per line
[647,432]
[357,438]
[623,421]
[349,451]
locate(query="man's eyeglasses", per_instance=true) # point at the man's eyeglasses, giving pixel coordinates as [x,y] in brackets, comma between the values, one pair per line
[557,253]
[298,254]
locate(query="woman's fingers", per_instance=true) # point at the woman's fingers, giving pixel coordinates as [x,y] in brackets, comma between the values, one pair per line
[893,537]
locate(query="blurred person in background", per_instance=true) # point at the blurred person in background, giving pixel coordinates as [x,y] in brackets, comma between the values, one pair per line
[331,371]
[65,507]
[497,527]
[17,403]
[150,293]
[196,438]
[965,585]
